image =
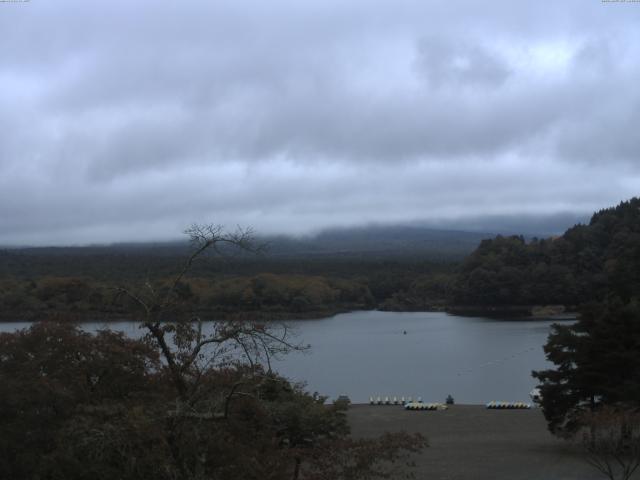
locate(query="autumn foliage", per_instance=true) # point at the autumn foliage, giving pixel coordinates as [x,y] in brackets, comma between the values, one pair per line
[75,405]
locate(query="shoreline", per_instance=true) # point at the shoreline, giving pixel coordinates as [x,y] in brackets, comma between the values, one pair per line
[272,316]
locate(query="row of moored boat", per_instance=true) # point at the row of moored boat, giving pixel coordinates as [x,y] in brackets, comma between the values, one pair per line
[508,405]
[410,404]
[392,400]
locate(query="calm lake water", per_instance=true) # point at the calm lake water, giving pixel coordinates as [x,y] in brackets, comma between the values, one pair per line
[367,353]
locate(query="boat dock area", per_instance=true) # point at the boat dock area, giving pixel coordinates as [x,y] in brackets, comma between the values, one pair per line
[476,443]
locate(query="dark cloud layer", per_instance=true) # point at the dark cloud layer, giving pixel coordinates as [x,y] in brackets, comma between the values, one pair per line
[128,120]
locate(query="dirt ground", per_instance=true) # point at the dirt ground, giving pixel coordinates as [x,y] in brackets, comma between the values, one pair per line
[471,442]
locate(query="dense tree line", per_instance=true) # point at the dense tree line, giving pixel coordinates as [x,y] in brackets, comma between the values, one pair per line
[588,262]
[76,286]
[264,294]
[116,262]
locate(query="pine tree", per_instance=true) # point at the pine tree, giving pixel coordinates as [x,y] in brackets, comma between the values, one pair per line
[597,363]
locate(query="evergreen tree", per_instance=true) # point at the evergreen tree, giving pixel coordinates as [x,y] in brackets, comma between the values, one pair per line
[597,363]
[587,263]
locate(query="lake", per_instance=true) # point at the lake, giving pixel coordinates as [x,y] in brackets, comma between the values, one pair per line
[367,353]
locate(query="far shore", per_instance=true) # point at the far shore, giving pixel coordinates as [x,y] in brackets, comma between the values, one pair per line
[95,316]
[514,313]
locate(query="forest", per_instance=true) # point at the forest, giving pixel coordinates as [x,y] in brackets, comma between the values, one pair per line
[274,283]
[413,271]
[588,262]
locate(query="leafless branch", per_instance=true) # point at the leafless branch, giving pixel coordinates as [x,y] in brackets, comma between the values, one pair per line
[135,298]
[611,441]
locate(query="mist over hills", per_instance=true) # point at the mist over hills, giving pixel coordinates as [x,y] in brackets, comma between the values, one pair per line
[345,242]
[378,241]
[453,237]
[529,225]
[450,240]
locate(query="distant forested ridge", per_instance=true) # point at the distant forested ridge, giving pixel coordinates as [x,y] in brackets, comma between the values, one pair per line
[407,268]
[388,268]
[585,264]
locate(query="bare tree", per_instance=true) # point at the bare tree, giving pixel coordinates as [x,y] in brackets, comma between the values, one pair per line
[221,371]
[187,348]
[611,441]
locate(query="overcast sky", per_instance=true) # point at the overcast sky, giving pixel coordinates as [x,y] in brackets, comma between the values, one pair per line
[129,120]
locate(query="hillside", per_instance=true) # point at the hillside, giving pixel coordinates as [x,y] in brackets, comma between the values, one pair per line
[373,267]
[331,251]
[586,263]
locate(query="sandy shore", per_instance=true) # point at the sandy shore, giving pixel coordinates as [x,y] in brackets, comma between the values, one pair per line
[471,442]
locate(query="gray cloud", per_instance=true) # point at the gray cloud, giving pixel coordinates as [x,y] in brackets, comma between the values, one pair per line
[456,65]
[128,120]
